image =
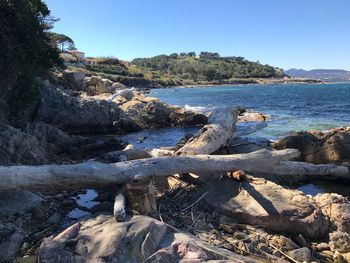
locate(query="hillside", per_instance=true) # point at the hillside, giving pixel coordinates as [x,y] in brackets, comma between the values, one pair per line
[205,68]
[183,69]
[331,75]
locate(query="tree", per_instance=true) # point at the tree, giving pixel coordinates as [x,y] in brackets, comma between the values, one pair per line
[62,41]
[26,52]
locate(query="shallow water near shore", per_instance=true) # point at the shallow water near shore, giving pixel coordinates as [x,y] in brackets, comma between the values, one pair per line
[324,186]
[293,107]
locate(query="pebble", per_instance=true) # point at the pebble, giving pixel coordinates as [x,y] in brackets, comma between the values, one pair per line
[265,248]
[37,213]
[59,196]
[301,241]
[301,254]
[239,235]
[25,246]
[322,247]
[55,219]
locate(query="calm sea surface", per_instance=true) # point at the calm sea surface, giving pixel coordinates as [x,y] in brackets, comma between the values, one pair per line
[293,107]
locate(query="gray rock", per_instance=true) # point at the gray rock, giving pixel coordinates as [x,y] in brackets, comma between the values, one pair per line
[19,147]
[301,254]
[6,229]
[140,239]
[14,202]
[75,115]
[74,79]
[55,218]
[8,249]
[37,213]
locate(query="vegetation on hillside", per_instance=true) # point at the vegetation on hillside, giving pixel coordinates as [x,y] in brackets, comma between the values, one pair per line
[26,51]
[205,67]
[187,69]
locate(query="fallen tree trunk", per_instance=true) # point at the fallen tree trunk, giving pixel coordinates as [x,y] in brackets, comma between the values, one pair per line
[310,169]
[250,129]
[216,134]
[219,132]
[96,174]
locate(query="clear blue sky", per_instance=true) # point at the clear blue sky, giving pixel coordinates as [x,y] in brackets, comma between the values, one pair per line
[286,33]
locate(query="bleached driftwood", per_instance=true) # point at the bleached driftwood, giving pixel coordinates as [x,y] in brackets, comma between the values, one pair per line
[95,174]
[250,129]
[219,132]
[216,134]
[310,169]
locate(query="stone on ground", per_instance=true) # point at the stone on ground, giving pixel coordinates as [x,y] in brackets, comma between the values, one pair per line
[13,202]
[140,239]
[262,202]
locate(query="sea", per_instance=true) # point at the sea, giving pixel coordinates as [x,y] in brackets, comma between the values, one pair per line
[292,107]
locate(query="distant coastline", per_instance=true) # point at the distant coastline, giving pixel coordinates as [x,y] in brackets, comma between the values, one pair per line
[264,82]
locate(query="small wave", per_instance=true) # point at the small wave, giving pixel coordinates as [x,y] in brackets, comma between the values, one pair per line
[195,108]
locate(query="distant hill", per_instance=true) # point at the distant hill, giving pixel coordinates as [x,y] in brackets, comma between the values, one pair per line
[205,67]
[331,75]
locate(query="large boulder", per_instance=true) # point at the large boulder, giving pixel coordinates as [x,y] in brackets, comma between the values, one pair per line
[319,147]
[96,85]
[80,116]
[73,80]
[139,239]
[150,112]
[19,147]
[264,203]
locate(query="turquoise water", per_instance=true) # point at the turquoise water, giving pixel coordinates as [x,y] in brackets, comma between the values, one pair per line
[293,107]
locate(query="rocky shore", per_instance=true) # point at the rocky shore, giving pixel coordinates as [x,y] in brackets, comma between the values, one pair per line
[238,216]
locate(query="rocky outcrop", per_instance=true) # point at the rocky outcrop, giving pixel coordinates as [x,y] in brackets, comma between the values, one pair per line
[97,114]
[246,115]
[74,115]
[19,147]
[319,147]
[264,203]
[39,143]
[150,112]
[140,239]
[96,85]
[73,80]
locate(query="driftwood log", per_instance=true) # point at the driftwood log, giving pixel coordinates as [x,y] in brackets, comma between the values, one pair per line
[310,169]
[96,174]
[216,134]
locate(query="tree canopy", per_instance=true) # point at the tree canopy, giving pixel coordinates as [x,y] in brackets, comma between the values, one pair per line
[26,51]
[62,41]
